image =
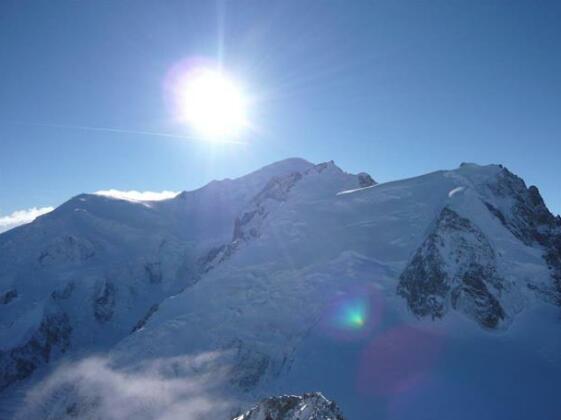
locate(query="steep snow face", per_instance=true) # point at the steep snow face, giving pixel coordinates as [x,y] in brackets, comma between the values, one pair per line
[313,278]
[522,211]
[311,406]
[470,262]
[307,264]
[101,264]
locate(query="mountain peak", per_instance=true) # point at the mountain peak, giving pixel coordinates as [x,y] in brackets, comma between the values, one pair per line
[310,406]
[273,273]
[283,167]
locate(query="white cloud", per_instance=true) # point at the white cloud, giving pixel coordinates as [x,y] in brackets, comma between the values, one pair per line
[181,387]
[21,217]
[138,195]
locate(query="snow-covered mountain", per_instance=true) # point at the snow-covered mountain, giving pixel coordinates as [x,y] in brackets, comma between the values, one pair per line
[434,293]
[312,406]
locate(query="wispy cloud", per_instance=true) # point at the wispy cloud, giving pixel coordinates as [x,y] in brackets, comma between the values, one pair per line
[177,388]
[138,195]
[21,217]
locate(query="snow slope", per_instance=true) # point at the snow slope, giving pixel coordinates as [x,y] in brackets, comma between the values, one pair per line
[313,406]
[99,265]
[399,300]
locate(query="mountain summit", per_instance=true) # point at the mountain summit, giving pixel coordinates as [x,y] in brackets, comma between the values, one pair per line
[295,278]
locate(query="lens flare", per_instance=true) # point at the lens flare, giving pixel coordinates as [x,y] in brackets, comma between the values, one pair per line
[397,360]
[353,315]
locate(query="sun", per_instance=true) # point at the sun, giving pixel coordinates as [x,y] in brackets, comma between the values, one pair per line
[212,104]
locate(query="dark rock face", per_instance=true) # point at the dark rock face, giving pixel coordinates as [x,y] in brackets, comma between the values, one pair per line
[64,293]
[249,365]
[425,284]
[214,256]
[142,322]
[248,225]
[104,302]
[454,267]
[365,180]
[528,217]
[7,296]
[309,406]
[153,271]
[278,188]
[20,362]
[475,298]
[529,220]
[66,249]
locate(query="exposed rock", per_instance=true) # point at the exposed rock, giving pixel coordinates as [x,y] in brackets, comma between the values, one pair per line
[20,362]
[250,366]
[145,318]
[248,224]
[527,216]
[365,180]
[7,296]
[455,266]
[104,302]
[475,299]
[320,167]
[153,271]
[309,406]
[528,219]
[64,293]
[66,249]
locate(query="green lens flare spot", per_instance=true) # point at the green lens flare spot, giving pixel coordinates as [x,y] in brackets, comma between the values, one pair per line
[353,315]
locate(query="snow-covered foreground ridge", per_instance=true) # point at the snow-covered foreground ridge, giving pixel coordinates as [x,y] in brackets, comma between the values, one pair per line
[312,406]
[294,278]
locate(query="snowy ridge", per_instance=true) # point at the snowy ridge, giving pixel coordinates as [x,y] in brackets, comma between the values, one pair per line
[116,257]
[295,277]
[311,406]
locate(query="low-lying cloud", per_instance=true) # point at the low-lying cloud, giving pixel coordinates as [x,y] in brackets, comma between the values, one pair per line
[171,389]
[133,195]
[21,217]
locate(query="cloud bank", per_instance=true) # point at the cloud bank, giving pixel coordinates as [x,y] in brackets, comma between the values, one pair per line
[164,389]
[21,217]
[138,195]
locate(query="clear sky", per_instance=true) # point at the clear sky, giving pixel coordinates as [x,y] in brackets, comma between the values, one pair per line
[393,88]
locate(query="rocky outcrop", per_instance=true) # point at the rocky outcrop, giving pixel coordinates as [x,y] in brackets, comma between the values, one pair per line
[7,296]
[66,249]
[52,336]
[526,216]
[142,322]
[250,367]
[276,191]
[63,293]
[248,225]
[309,406]
[104,302]
[454,267]
[365,180]
[153,272]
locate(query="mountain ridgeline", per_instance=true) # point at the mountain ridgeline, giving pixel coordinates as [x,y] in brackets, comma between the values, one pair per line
[250,269]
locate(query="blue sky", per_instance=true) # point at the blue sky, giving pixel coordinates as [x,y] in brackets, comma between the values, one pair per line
[392,88]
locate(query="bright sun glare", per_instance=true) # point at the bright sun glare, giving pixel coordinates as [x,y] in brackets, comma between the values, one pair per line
[212,104]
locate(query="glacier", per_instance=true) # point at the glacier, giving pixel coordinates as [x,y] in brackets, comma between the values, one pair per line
[431,297]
